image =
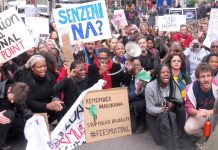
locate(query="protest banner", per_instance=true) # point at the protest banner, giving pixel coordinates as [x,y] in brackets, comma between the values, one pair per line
[190,13]
[14,37]
[87,21]
[120,18]
[175,11]
[70,131]
[195,27]
[171,22]
[212,33]
[106,114]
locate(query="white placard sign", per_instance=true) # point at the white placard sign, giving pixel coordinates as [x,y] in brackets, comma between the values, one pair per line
[171,22]
[120,18]
[212,33]
[14,37]
[87,22]
[38,24]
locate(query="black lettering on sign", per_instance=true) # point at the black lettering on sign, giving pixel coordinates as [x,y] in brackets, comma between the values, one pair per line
[7,22]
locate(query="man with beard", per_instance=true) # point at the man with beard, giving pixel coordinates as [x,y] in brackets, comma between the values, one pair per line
[147,58]
[88,54]
[199,101]
[183,37]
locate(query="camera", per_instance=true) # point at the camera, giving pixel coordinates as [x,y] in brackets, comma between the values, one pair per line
[196,45]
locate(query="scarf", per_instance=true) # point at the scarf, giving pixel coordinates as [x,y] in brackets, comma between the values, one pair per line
[180,81]
[87,56]
[105,75]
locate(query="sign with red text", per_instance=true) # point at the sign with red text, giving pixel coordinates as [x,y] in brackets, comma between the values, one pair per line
[87,21]
[70,131]
[120,18]
[106,114]
[14,37]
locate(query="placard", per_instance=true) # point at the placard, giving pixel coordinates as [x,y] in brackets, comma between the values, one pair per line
[14,37]
[120,18]
[106,114]
[171,22]
[175,11]
[190,13]
[87,22]
[212,33]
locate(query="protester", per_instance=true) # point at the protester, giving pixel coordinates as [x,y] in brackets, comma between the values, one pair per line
[195,54]
[199,101]
[133,16]
[13,110]
[164,10]
[183,37]
[41,98]
[177,64]
[119,53]
[137,98]
[42,47]
[157,95]
[104,68]
[72,85]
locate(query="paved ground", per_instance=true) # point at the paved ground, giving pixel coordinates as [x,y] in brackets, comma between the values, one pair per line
[133,142]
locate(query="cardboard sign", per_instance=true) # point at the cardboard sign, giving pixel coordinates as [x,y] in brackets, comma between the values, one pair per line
[190,13]
[70,133]
[120,18]
[106,114]
[87,22]
[14,37]
[195,27]
[211,36]
[171,22]
[175,11]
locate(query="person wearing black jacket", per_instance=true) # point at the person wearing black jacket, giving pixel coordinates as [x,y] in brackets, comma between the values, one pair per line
[41,97]
[13,110]
[74,84]
[105,69]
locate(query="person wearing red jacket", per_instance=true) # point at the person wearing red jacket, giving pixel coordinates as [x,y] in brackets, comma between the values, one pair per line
[183,37]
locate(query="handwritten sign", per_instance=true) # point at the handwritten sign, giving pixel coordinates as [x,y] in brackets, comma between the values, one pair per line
[30,11]
[14,37]
[120,18]
[171,22]
[211,36]
[195,27]
[106,114]
[87,21]
[34,22]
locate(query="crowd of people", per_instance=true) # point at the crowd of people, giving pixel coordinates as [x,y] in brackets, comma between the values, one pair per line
[172,85]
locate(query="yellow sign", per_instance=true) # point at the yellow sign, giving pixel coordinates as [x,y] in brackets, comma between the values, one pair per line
[106,114]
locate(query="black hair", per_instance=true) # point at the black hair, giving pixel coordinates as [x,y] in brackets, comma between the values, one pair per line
[156,75]
[104,50]
[211,55]
[75,63]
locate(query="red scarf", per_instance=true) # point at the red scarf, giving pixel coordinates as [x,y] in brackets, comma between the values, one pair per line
[105,75]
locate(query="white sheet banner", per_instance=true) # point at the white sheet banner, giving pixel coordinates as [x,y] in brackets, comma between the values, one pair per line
[14,37]
[171,22]
[70,132]
[87,21]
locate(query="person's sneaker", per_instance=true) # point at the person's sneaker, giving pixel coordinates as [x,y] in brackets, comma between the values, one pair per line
[5,147]
[200,143]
